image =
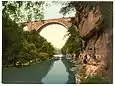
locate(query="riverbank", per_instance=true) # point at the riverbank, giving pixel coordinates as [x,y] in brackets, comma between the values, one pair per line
[23,64]
[75,67]
[20,64]
[41,73]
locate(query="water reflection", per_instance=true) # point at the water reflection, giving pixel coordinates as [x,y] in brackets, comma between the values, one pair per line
[53,71]
[71,77]
[30,74]
[57,75]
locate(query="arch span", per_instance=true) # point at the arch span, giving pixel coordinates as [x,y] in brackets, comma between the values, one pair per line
[50,23]
[37,25]
[54,33]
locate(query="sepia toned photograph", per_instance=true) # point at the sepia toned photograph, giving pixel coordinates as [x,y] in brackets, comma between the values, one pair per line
[57,42]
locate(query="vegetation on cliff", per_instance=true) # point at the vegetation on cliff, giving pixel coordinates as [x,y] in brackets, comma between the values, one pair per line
[95,80]
[73,44]
[92,19]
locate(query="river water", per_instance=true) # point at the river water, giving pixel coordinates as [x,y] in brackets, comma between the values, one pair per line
[48,72]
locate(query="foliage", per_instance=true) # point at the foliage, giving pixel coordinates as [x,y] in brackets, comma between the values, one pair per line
[78,6]
[43,56]
[67,7]
[25,46]
[48,48]
[21,46]
[82,8]
[28,47]
[57,51]
[95,80]
[21,11]
[73,44]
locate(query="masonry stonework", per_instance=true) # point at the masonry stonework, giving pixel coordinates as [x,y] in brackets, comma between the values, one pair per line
[38,25]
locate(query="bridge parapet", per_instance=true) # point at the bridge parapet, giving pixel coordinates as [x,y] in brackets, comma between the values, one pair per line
[36,25]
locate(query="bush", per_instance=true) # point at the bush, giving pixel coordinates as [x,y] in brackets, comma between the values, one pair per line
[43,56]
[95,80]
[73,44]
[23,46]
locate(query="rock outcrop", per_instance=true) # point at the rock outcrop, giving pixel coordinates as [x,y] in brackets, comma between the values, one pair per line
[96,31]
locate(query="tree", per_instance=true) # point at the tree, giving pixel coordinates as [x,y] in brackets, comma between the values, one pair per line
[82,8]
[20,46]
[23,11]
[73,44]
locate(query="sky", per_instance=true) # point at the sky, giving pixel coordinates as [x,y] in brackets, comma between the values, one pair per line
[54,33]
[53,11]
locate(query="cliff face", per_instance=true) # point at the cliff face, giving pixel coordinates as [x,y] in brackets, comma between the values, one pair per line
[98,43]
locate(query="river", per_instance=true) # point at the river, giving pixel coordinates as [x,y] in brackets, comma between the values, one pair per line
[47,72]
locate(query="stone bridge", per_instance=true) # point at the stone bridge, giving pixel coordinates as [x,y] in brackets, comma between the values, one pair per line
[39,25]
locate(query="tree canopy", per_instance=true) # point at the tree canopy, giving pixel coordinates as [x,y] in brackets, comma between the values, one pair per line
[73,44]
[18,45]
[21,11]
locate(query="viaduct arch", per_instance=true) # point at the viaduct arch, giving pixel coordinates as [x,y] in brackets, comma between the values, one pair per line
[39,25]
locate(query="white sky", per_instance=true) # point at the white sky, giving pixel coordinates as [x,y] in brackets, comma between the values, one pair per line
[53,11]
[54,33]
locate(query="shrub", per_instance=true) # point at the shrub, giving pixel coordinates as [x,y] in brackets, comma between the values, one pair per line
[95,80]
[43,56]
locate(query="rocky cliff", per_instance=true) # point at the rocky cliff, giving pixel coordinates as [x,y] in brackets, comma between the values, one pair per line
[95,28]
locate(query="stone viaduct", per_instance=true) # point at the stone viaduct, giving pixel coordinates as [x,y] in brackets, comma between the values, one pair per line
[39,25]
